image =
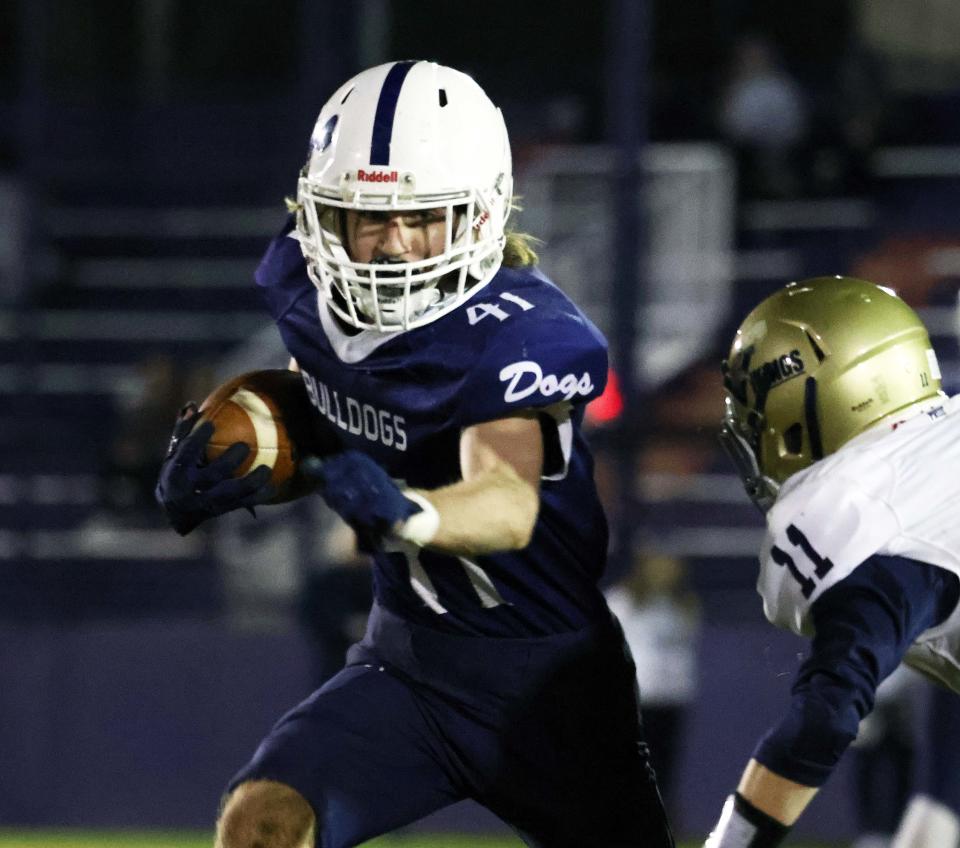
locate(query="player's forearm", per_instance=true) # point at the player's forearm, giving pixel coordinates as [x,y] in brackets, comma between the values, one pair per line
[778,797]
[762,811]
[494,511]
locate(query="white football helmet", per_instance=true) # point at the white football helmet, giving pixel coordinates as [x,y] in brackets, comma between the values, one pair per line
[405,136]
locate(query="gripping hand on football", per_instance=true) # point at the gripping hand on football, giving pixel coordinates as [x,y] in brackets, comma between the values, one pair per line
[363,495]
[191,490]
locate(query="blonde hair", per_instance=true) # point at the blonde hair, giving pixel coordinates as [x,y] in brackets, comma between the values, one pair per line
[518,250]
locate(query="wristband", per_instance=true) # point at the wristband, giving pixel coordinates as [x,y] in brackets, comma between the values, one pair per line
[742,825]
[421,527]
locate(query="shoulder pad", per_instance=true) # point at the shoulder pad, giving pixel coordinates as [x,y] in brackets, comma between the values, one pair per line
[536,358]
[282,273]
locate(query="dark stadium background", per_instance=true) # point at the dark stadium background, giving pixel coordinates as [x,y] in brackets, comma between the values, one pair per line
[145,150]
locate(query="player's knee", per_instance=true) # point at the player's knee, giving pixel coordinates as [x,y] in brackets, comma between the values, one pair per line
[265,814]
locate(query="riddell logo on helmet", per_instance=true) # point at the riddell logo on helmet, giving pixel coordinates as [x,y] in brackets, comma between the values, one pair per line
[376,176]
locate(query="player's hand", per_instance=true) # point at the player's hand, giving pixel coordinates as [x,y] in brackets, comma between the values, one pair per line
[190,490]
[362,494]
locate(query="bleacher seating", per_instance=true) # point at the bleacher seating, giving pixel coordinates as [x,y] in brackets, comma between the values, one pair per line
[132,283]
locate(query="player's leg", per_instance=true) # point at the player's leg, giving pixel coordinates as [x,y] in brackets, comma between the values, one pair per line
[577,769]
[664,723]
[265,813]
[355,760]
[612,800]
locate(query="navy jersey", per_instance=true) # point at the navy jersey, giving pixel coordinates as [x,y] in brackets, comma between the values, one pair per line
[404,398]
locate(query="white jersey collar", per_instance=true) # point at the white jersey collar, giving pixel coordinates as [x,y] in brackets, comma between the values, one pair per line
[349,348]
[927,410]
[916,415]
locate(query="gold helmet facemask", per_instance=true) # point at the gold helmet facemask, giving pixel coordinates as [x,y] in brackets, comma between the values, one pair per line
[814,365]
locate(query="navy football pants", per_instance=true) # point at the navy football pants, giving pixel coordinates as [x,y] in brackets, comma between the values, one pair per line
[543,732]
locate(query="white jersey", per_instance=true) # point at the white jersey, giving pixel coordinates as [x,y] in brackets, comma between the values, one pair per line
[890,491]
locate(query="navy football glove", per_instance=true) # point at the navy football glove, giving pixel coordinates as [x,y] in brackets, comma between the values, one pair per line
[191,490]
[362,494]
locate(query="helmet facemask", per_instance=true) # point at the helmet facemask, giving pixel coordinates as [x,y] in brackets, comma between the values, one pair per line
[741,432]
[389,295]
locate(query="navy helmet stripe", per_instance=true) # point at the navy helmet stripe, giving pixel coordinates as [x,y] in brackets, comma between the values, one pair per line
[813,423]
[386,110]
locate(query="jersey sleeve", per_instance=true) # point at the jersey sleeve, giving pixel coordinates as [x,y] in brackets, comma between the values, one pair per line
[863,627]
[817,534]
[557,363]
[281,275]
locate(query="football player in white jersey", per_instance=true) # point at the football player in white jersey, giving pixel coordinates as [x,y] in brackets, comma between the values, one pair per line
[836,421]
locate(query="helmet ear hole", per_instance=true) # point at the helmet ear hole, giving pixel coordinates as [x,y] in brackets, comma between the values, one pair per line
[793,438]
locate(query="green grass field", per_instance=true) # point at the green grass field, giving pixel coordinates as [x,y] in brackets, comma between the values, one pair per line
[157,839]
[115,839]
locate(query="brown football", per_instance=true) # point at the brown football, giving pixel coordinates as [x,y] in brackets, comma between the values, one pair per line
[271,412]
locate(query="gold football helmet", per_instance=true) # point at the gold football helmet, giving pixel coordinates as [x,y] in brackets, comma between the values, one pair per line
[814,365]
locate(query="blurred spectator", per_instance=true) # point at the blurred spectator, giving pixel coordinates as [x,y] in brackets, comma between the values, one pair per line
[142,431]
[858,111]
[848,105]
[763,114]
[918,41]
[661,621]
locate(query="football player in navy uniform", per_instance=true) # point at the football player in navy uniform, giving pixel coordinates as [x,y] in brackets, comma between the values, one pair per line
[456,375]
[838,425]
